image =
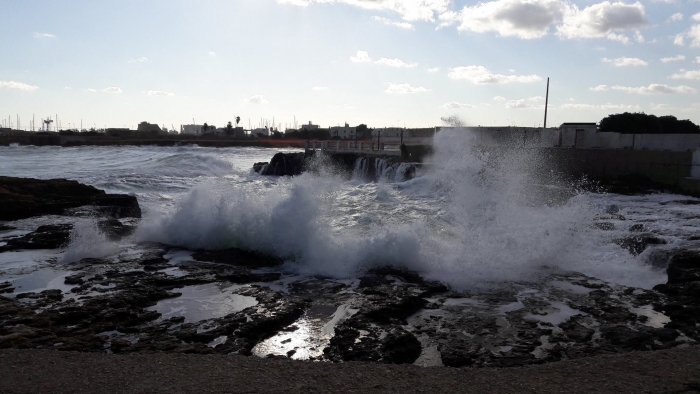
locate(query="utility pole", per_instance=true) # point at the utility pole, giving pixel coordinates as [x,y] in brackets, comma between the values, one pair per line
[546,104]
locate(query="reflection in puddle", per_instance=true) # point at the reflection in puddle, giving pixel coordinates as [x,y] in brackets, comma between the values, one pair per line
[203,302]
[308,336]
[40,280]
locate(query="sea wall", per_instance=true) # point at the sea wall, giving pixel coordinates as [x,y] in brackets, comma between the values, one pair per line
[666,169]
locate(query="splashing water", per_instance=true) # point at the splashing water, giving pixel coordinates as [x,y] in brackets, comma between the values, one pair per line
[472,219]
[87,241]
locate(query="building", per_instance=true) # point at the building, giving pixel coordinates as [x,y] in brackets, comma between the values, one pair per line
[148,128]
[343,132]
[309,127]
[262,132]
[193,129]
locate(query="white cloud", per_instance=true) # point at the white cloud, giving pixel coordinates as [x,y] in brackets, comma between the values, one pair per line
[160,93]
[387,21]
[457,105]
[626,61]
[675,17]
[600,88]
[673,59]
[44,35]
[480,75]
[67,88]
[256,99]
[211,53]
[142,59]
[526,19]
[361,57]
[112,89]
[697,59]
[696,17]
[602,19]
[656,88]
[678,39]
[433,70]
[320,88]
[639,37]
[536,98]
[17,86]
[398,63]
[404,88]
[618,37]
[410,10]
[683,74]
[518,104]
[91,90]
[694,35]
[601,106]
[499,98]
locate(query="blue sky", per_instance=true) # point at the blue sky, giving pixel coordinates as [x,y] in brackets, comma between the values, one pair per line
[379,62]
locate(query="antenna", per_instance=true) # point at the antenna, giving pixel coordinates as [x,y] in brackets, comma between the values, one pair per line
[546,104]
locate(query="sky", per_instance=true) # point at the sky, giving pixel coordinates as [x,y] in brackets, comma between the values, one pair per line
[378,62]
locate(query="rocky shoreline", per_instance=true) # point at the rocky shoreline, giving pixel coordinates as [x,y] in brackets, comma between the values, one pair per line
[161,298]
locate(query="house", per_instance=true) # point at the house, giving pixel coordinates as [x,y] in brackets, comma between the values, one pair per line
[148,128]
[343,132]
[309,127]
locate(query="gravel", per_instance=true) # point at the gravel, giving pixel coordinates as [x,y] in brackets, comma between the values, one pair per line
[46,371]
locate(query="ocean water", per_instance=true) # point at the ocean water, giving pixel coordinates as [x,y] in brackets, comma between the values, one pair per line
[462,220]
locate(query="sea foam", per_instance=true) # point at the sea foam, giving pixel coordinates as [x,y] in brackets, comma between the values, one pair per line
[471,219]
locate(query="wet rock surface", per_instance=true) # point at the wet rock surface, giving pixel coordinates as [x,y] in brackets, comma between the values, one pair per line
[44,237]
[143,303]
[22,198]
[160,298]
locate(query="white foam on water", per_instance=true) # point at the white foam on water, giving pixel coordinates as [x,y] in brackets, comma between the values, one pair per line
[468,221]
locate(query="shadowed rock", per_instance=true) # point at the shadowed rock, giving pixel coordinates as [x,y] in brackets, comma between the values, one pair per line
[22,198]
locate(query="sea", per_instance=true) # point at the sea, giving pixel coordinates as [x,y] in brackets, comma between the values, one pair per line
[461,220]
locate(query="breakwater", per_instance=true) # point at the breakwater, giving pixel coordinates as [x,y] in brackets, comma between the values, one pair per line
[354,165]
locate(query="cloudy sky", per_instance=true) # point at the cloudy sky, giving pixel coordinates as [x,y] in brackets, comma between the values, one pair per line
[379,62]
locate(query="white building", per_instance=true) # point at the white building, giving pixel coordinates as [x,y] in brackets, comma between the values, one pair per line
[191,129]
[343,132]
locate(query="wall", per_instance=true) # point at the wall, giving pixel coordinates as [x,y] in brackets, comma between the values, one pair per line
[673,142]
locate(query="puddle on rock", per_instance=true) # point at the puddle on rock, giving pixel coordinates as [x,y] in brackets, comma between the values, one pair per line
[307,337]
[202,302]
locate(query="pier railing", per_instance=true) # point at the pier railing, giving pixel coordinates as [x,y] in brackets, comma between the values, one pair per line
[347,146]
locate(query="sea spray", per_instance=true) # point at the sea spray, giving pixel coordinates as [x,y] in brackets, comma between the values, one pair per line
[472,219]
[87,241]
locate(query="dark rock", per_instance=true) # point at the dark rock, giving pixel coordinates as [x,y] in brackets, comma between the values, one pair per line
[606,226]
[45,237]
[290,164]
[4,227]
[684,267]
[626,337]
[389,310]
[636,244]
[114,229]
[22,198]
[235,256]
[258,167]
[400,347]
[637,228]
[576,332]
[459,352]
[74,280]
